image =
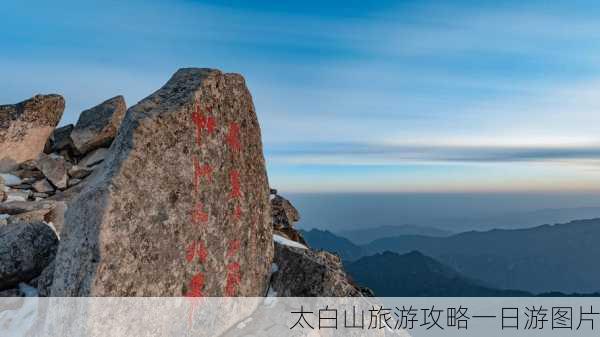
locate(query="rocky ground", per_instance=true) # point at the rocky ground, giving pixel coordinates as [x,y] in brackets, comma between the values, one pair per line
[167,198]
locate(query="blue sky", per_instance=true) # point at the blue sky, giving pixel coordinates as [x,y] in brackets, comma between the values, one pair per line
[351,95]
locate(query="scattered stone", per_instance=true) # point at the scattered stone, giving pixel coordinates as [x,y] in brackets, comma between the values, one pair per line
[125,239]
[17,195]
[9,179]
[305,273]
[43,186]
[53,167]
[17,207]
[79,172]
[73,182]
[93,157]
[97,127]
[40,195]
[25,127]
[23,186]
[61,139]
[25,250]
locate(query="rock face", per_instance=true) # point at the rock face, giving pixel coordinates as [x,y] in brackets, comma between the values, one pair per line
[54,168]
[306,273]
[25,127]
[98,126]
[180,206]
[25,250]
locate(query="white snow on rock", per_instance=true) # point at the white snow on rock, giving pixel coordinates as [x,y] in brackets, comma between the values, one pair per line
[10,179]
[274,268]
[51,225]
[287,242]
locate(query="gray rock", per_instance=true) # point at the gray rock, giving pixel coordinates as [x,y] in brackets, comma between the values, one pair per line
[141,228]
[73,182]
[93,158]
[61,139]
[25,127]
[306,273]
[284,213]
[43,283]
[54,168]
[17,195]
[40,195]
[79,172]
[97,127]
[43,186]
[8,179]
[25,250]
[17,207]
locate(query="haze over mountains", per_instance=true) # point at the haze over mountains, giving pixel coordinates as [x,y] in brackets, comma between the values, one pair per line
[541,259]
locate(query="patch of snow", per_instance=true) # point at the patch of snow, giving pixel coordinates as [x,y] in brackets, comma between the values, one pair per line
[51,225]
[271,197]
[274,268]
[4,216]
[287,242]
[10,179]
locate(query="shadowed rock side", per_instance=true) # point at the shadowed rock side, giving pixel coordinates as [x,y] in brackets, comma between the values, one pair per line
[97,127]
[25,127]
[180,206]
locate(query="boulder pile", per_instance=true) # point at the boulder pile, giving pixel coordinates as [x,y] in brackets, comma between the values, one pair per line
[167,198]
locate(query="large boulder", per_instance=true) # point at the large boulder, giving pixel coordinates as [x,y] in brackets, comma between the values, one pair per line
[54,168]
[180,206]
[25,250]
[301,272]
[25,127]
[97,127]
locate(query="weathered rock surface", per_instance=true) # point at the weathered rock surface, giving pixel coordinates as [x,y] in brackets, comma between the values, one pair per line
[54,168]
[61,139]
[25,250]
[43,186]
[180,206]
[284,213]
[79,172]
[25,127]
[98,126]
[306,273]
[18,207]
[93,158]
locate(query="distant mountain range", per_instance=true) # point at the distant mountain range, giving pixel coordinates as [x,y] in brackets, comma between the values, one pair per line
[546,258]
[414,274]
[366,235]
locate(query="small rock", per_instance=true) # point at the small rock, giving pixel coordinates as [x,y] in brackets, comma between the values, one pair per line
[43,186]
[97,127]
[17,207]
[17,195]
[40,195]
[54,169]
[10,179]
[79,172]
[23,186]
[25,250]
[93,157]
[61,138]
[73,182]
[25,128]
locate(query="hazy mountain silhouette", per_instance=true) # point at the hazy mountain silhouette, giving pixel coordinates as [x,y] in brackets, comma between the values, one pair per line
[325,240]
[414,274]
[366,235]
[549,258]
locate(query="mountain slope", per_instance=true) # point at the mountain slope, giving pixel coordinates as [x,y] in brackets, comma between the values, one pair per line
[414,274]
[366,235]
[325,240]
[546,258]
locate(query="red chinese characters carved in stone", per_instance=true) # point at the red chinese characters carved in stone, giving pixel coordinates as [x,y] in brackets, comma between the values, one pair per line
[234,247]
[233,279]
[196,248]
[234,178]
[198,214]
[201,171]
[196,285]
[233,136]
[202,122]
